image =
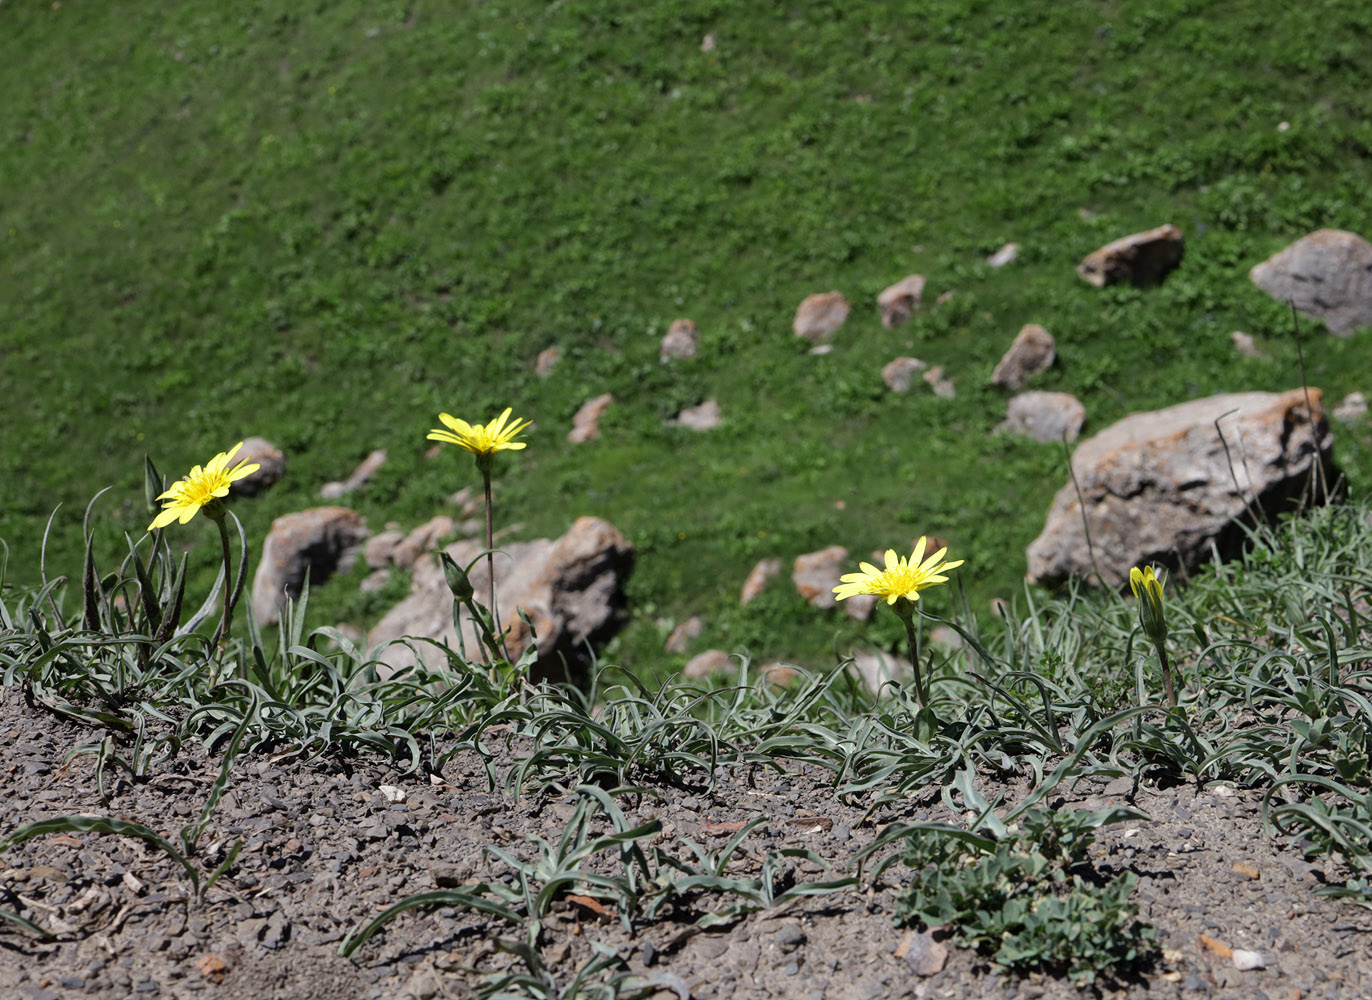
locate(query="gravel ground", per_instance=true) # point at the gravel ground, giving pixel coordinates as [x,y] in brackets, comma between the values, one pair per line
[325,849]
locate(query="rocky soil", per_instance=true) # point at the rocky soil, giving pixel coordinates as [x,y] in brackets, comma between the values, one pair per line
[325,848]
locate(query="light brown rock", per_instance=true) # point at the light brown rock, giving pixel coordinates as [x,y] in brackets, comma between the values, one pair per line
[680,639]
[816,574]
[758,577]
[712,661]
[704,417]
[1034,350]
[586,422]
[359,478]
[1159,487]
[681,341]
[377,552]
[1328,275]
[1140,258]
[271,466]
[546,361]
[1044,416]
[899,302]
[422,539]
[943,387]
[316,543]
[570,587]
[899,373]
[818,316]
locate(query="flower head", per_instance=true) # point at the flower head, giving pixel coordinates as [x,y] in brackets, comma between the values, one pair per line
[1148,590]
[901,578]
[483,442]
[202,487]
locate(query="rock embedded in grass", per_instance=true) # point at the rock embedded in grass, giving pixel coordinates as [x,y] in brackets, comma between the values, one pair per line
[758,577]
[818,316]
[546,361]
[1327,275]
[682,341]
[899,373]
[898,302]
[586,422]
[1160,486]
[271,464]
[1044,416]
[712,661]
[1139,259]
[704,417]
[1034,350]
[368,467]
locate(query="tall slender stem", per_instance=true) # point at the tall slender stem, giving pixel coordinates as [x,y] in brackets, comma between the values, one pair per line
[1167,677]
[225,621]
[914,659]
[490,553]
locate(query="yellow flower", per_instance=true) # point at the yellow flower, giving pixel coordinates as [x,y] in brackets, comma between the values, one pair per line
[498,435]
[202,488]
[901,577]
[1148,590]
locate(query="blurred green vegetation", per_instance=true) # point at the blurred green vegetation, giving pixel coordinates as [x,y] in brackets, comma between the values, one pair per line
[326,225]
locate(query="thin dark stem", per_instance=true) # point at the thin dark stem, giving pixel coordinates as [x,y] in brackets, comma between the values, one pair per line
[225,621]
[914,660]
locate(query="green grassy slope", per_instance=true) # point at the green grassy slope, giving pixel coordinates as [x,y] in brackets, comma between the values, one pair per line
[326,226]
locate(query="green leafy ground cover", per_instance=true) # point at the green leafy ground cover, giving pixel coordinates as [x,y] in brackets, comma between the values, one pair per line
[324,226]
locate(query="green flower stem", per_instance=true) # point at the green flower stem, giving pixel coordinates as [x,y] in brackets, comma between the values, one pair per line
[1167,676]
[907,616]
[490,549]
[227,619]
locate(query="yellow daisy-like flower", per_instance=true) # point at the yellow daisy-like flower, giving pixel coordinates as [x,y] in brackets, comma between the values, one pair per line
[483,442]
[201,488]
[901,578]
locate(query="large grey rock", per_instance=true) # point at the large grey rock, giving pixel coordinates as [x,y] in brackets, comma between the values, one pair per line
[1159,487]
[316,543]
[816,574]
[899,373]
[1328,275]
[1140,258]
[1033,351]
[571,588]
[271,466]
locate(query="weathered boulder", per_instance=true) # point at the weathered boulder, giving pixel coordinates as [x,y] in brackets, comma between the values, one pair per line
[586,421]
[359,478]
[1141,258]
[571,588]
[316,543]
[820,315]
[271,466]
[1352,409]
[879,670]
[1328,275]
[1245,345]
[1160,487]
[1033,351]
[422,539]
[1044,416]
[899,373]
[704,417]
[681,341]
[898,302]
